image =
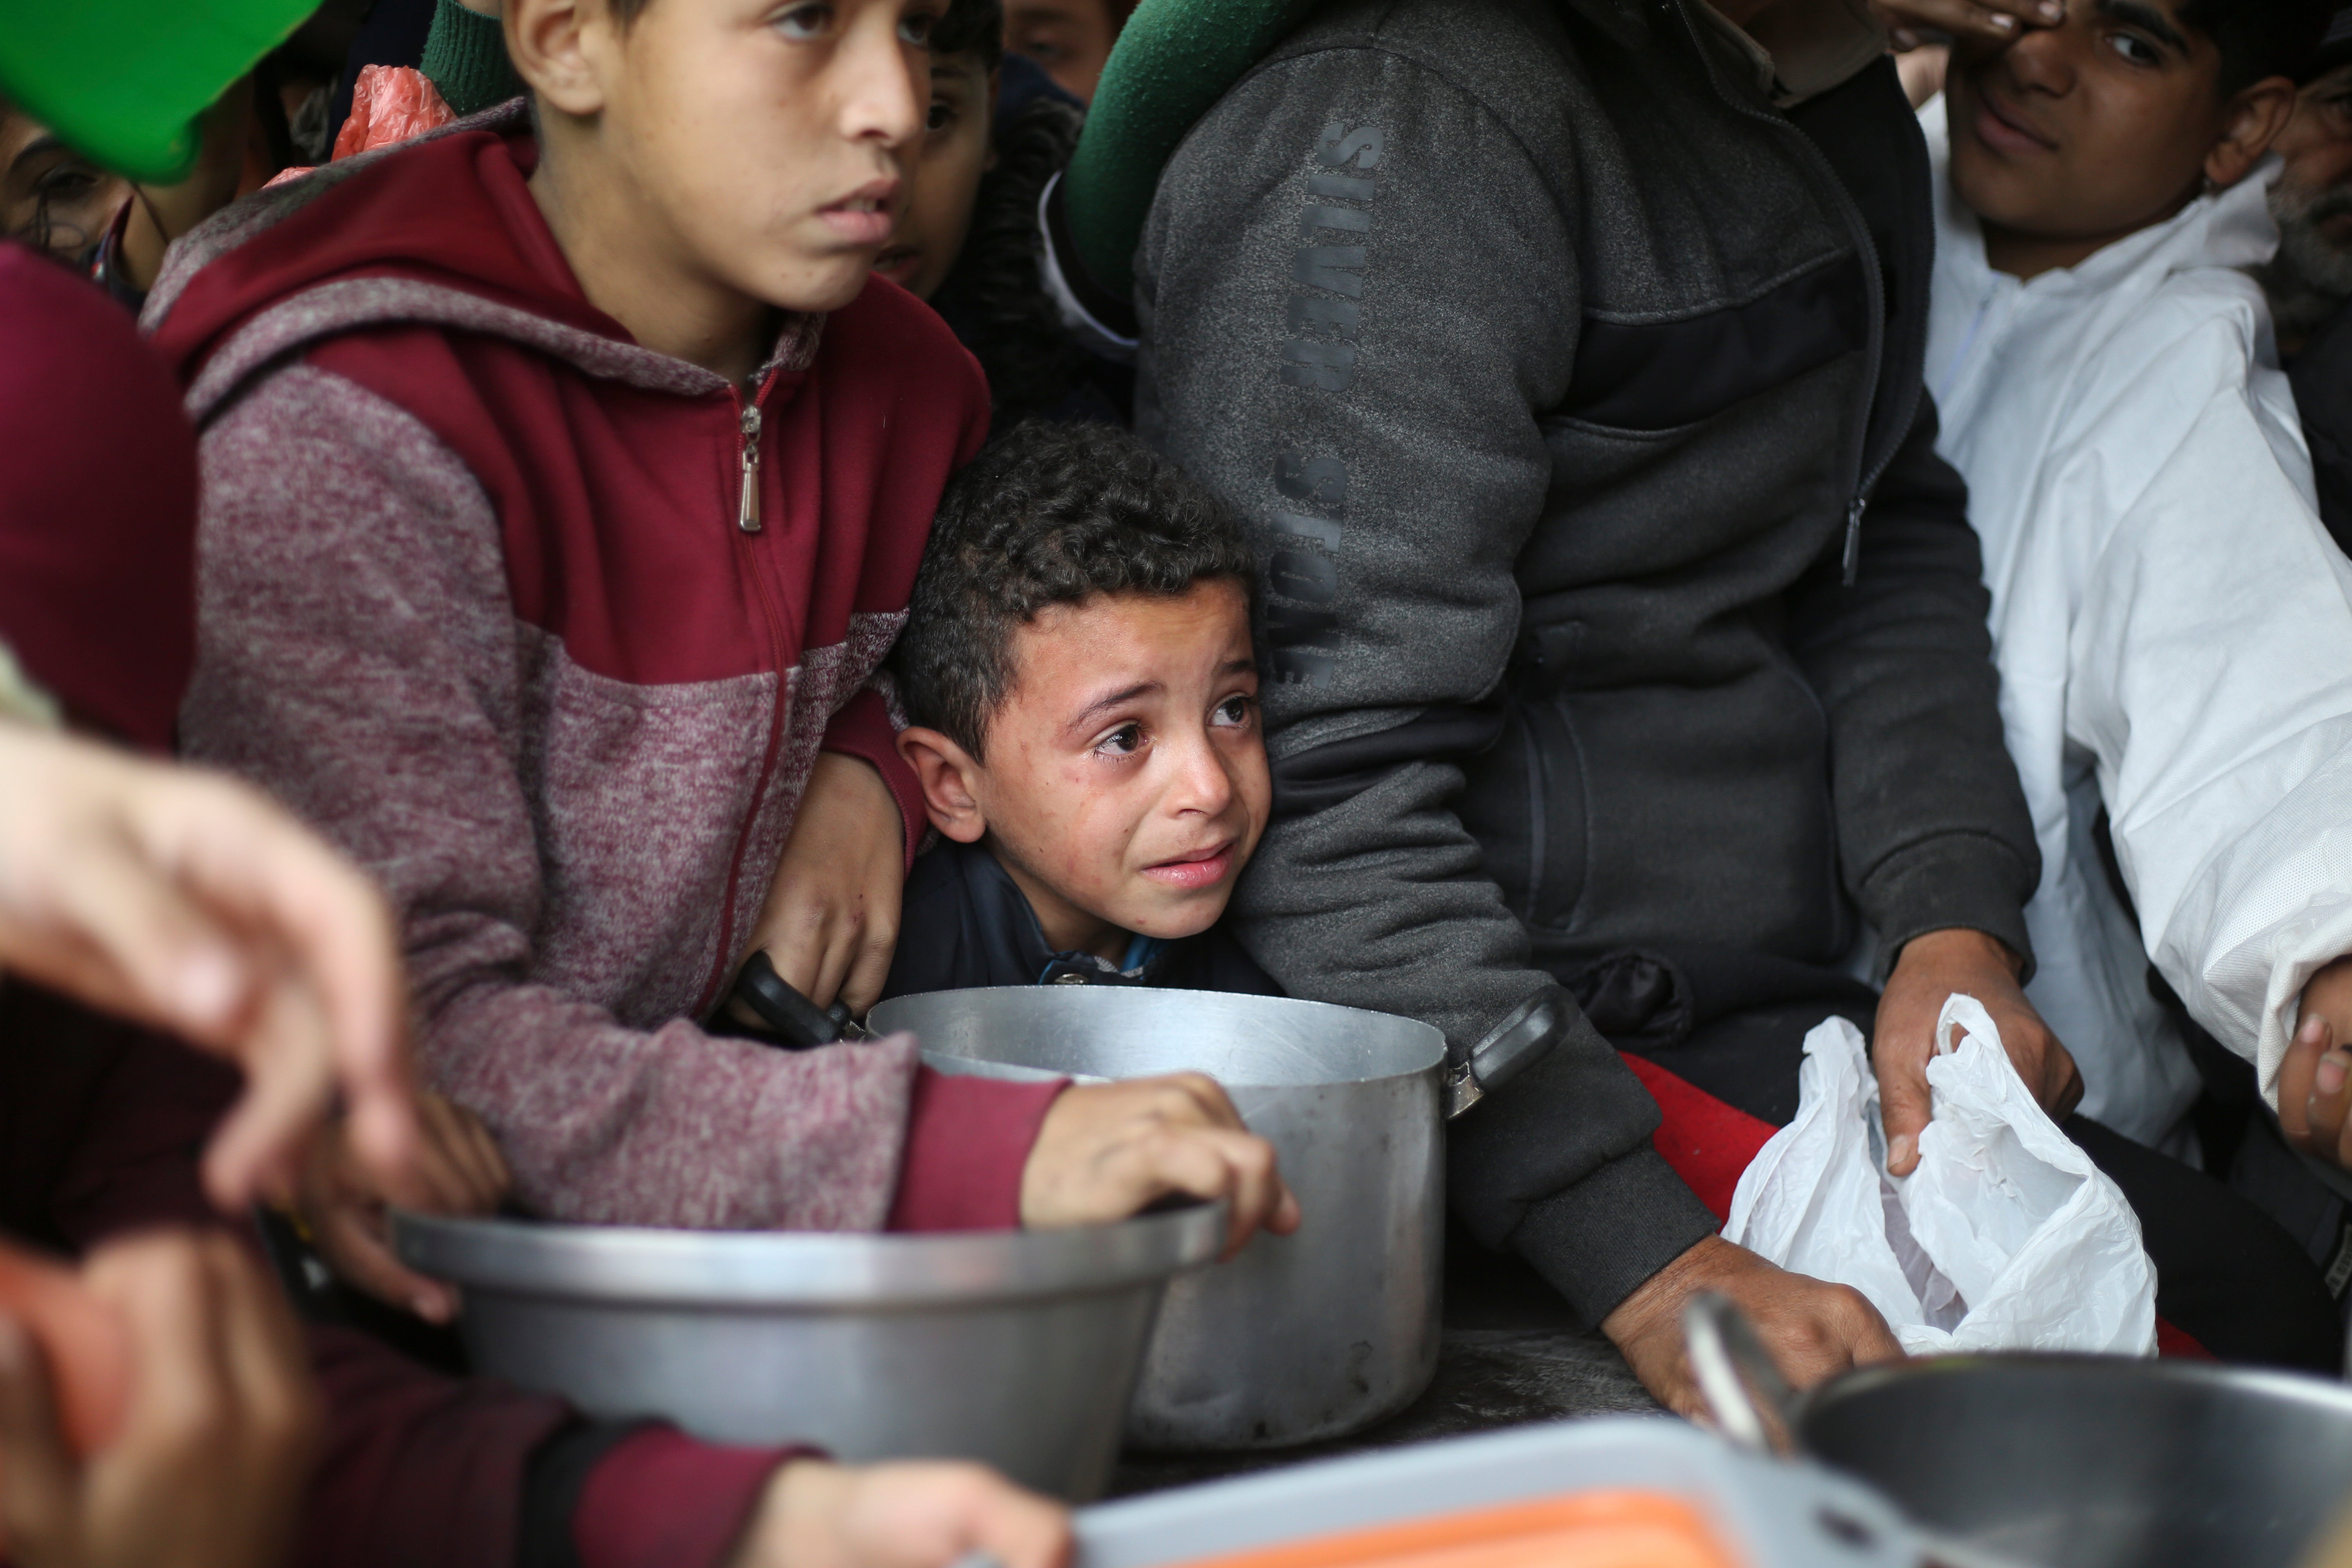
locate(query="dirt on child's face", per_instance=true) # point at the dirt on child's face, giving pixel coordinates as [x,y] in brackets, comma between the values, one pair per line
[943,177]
[1125,780]
[2088,130]
[774,137]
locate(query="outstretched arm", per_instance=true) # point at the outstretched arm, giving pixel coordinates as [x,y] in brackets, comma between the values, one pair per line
[1935,842]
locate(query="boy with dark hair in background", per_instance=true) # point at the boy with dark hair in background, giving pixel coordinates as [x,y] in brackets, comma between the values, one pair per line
[2171,623]
[1079,666]
[968,239]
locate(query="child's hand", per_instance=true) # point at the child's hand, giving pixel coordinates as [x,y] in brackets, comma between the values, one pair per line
[1992,21]
[1106,1151]
[460,1171]
[832,918]
[2314,1081]
[820,1515]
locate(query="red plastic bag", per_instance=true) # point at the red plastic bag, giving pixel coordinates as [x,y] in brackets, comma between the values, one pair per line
[389,104]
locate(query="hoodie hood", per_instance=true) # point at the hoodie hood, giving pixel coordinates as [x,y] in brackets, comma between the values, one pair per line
[441,231]
[98,506]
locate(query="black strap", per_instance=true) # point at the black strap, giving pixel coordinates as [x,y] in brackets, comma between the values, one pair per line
[795,1023]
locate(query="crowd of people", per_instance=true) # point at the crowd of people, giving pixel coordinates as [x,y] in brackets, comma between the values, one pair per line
[1618,532]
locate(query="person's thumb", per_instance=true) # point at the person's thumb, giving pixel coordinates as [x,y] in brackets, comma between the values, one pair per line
[1021,1530]
[37,1473]
[1904,1108]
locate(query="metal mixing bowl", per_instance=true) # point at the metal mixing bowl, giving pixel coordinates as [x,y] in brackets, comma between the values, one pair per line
[2022,1460]
[1018,1348]
[1302,1337]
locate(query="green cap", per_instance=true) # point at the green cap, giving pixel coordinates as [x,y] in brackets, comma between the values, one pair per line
[122,80]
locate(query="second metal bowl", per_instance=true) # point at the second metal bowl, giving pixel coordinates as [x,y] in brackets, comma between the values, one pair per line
[1017,1348]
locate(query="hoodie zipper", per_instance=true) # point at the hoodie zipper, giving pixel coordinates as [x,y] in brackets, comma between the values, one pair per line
[1864,482]
[747,510]
[749,523]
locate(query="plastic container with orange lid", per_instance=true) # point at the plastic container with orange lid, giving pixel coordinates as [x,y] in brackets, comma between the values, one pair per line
[1611,1492]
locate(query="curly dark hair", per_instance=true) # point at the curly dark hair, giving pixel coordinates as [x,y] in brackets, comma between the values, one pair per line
[1048,514]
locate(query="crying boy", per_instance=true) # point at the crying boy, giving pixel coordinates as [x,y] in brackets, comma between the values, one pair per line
[1077,665]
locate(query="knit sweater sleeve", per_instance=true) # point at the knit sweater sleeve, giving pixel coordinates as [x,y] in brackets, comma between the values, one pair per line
[360,659]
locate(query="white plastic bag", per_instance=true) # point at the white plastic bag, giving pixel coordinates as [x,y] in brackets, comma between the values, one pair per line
[2004,1237]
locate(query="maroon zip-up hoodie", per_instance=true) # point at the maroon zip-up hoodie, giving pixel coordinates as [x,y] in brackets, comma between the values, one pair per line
[547,629]
[101,1123]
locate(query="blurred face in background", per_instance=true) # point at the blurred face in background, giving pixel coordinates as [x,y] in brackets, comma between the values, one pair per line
[2312,204]
[50,195]
[943,177]
[1070,38]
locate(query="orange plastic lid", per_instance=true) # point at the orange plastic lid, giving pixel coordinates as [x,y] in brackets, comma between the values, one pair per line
[1623,1529]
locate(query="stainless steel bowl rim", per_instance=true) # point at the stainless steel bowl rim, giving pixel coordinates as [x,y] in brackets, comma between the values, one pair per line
[810,1269]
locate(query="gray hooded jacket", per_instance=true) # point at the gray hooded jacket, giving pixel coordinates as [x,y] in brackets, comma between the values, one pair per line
[1615,597]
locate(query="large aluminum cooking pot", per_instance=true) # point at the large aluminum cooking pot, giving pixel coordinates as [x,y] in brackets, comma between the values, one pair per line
[1302,1337]
[1018,1348]
[2057,1461]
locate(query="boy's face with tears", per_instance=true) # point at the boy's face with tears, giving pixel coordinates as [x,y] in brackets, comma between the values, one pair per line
[1125,785]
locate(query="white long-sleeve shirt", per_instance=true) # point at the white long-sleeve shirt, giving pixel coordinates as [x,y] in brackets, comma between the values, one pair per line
[2173,627]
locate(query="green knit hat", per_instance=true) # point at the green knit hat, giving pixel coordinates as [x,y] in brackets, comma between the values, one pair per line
[122,80]
[1173,60]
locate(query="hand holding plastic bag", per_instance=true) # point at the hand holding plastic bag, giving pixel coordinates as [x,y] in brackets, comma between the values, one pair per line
[2005,1237]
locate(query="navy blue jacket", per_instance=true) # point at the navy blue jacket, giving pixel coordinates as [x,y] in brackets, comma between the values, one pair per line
[966,924]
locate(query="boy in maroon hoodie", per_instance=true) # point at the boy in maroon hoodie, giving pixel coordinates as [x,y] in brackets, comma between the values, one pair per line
[565,480]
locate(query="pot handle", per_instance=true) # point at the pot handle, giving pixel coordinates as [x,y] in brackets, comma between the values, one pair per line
[1523,1037]
[1752,1404]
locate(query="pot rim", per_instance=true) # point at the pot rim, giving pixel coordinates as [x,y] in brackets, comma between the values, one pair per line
[2305,1388]
[627,1265]
[1419,1047]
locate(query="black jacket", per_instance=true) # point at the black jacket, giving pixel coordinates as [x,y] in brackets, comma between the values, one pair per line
[966,924]
[2322,378]
[1615,596]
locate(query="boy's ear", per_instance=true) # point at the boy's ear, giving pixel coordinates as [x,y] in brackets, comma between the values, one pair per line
[553,43]
[2254,119]
[951,780]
